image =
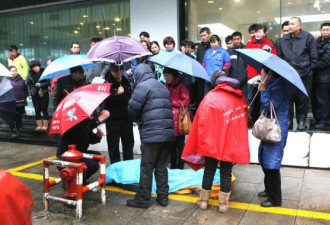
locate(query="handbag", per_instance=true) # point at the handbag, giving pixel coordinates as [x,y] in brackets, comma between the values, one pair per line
[267,129]
[184,120]
[194,158]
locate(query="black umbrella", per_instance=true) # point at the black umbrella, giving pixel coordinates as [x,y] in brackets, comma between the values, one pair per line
[7,101]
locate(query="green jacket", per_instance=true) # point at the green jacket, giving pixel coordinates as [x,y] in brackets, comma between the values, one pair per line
[21,65]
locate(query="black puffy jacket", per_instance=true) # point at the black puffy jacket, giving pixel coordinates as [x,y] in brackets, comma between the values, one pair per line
[150,106]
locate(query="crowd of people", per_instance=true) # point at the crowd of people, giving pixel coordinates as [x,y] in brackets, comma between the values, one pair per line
[151,95]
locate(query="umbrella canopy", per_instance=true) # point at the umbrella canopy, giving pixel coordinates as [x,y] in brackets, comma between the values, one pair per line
[180,62]
[117,49]
[7,101]
[62,65]
[4,71]
[78,106]
[259,58]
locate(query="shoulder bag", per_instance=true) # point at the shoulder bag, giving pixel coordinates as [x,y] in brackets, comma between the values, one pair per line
[267,129]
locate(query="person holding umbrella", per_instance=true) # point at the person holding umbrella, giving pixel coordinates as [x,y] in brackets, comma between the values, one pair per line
[21,94]
[82,136]
[67,84]
[38,91]
[273,88]
[179,96]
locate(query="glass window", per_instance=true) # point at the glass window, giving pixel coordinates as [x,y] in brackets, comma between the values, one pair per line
[48,32]
[224,17]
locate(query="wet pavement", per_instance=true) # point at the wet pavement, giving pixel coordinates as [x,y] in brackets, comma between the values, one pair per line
[306,197]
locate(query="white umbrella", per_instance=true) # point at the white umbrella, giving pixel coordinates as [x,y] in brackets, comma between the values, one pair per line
[4,71]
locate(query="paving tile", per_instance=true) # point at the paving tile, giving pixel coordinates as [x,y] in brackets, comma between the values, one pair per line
[253,218]
[319,179]
[243,192]
[315,199]
[212,216]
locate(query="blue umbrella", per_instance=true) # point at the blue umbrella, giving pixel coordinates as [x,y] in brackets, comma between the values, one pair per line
[259,58]
[180,62]
[7,101]
[61,66]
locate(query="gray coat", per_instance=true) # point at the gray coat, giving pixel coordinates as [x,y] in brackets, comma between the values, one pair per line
[300,52]
[150,106]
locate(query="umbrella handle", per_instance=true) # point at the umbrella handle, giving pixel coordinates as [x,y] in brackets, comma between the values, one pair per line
[66,92]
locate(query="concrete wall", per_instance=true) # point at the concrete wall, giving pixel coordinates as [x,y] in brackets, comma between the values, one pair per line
[159,18]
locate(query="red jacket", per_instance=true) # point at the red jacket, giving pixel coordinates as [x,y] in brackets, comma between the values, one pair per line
[179,93]
[220,127]
[251,71]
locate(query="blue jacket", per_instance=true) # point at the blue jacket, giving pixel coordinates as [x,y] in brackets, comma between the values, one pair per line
[150,106]
[271,154]
[216,61]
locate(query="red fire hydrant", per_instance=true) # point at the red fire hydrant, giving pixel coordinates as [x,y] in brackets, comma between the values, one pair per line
[72,173]
[69,174]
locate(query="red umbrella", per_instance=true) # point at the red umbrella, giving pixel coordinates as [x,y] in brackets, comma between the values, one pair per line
[78,106]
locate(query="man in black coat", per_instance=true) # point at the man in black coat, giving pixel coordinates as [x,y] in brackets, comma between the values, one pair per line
[238,66]
[119,125]
[205,34]
[150,106]
[299,49]
[321,81]
[67,84]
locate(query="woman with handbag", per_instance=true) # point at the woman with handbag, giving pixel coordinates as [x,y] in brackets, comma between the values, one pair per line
[38,91]
[219,133]
[273,90]
[179,98]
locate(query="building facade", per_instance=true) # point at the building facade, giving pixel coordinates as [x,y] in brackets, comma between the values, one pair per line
[44,29]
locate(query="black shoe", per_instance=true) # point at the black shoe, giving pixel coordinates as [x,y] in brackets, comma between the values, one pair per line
[269,204]
[162,202]
[133,203]
[262,194]
[13,134]
[302,126]
[322,126]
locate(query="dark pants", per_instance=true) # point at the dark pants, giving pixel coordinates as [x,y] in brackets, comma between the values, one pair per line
[18,118]
[255,107]
[176,151]
[301,101]
[40,104]
[200,90]
[207,87]
[272,183]
[154,156]
[92,165]
[225,174]
[321,103]
[120,129]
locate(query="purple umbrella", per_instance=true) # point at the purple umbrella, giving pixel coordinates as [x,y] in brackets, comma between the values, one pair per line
[117,49]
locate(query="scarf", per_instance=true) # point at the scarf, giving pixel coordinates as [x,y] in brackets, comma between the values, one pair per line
[14,57]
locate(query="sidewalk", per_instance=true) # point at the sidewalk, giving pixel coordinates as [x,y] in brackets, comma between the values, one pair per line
[306,197]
